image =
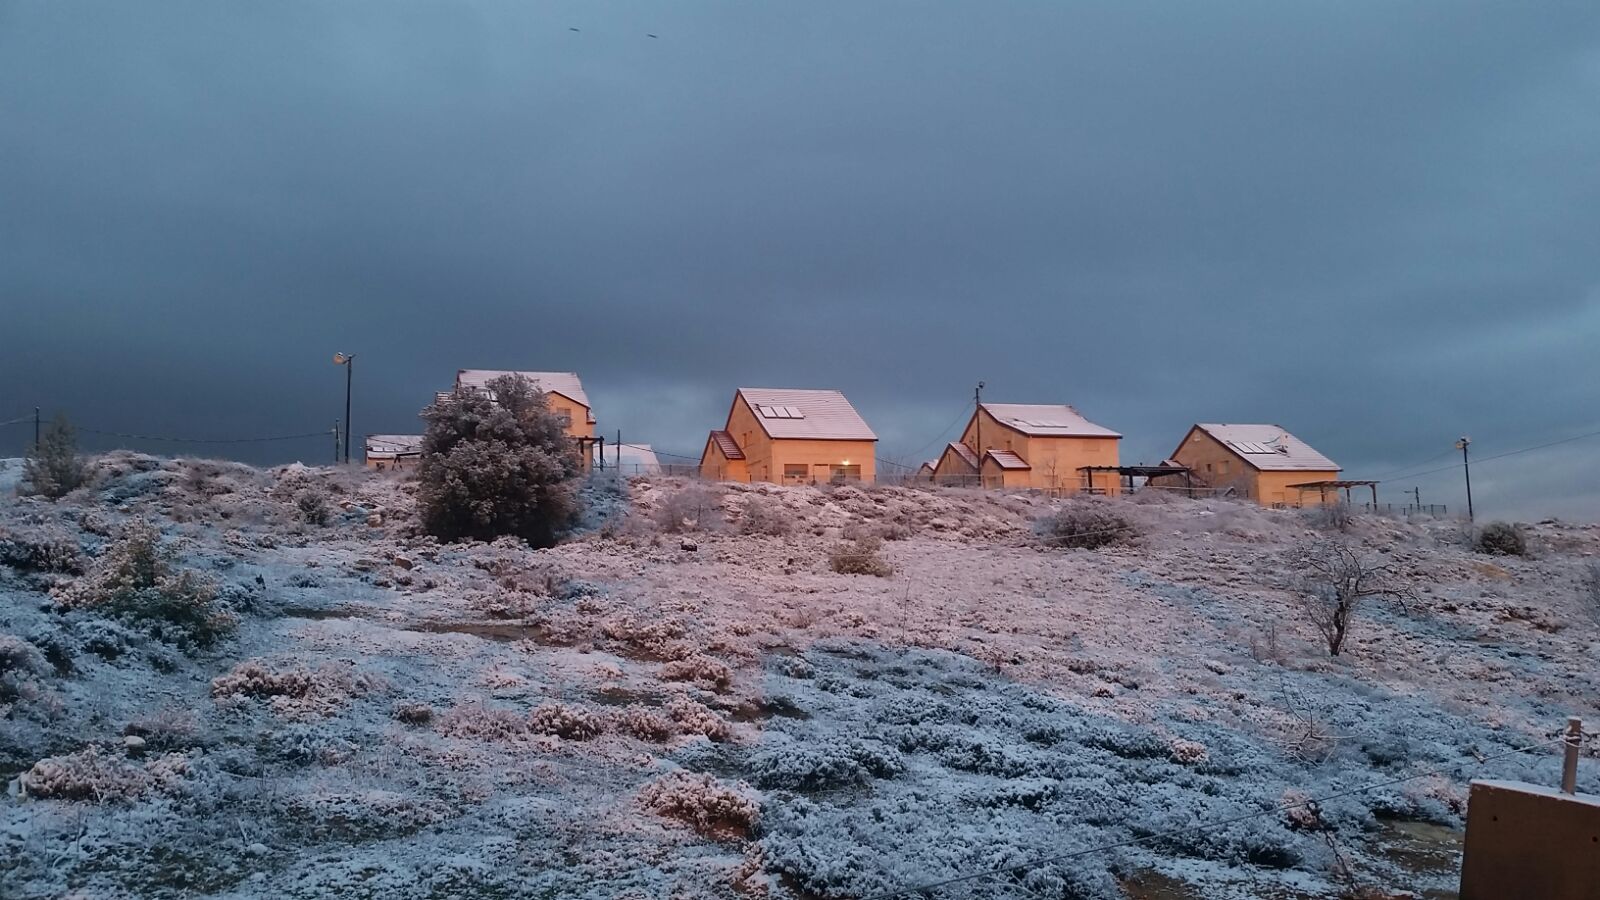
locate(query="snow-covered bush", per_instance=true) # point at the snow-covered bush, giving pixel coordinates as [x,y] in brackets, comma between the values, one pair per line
[313,506]
[93,774]
[476,721]
[693,717]
[1086,525]
[565,721]
[137,579]
[763,516]
[497,462]
[711,807]
[40,548]
[20,661]
[693,508]
[1501,539]
[1335,516]
[824,765]
[644,724]
[1591,589]
[860,557]
[253,678]
[53,468]
[700,669]
[412,712]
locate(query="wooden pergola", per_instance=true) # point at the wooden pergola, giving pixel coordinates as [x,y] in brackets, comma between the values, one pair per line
[1323,487]
[1132,472]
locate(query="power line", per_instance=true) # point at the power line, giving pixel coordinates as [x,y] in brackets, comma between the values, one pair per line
[1483,459]
[18,420]
[1388,475]
[1204,826]
[179,440]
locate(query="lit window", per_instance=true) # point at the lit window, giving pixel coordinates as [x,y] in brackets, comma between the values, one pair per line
[844,473]
[794,473]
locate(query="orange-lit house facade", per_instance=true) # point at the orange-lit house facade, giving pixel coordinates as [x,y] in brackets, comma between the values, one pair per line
[791,436]
[392,452]
[1264,463]
[1048,447]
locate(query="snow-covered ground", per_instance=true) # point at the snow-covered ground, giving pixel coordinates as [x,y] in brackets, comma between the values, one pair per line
[646,714]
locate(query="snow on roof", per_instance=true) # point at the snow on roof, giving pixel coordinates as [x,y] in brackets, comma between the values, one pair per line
[1046,420]
[564,383]
[1008,459]
[819,415]
[963,451]
[928,465]
[637,459]
[388,445]
[1269,447]
[728,446]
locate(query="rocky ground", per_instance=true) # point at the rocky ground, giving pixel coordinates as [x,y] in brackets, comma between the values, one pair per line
[686,700]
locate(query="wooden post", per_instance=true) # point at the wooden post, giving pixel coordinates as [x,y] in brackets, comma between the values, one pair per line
[1569,765]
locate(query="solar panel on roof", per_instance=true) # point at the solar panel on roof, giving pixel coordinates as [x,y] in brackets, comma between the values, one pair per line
[794,412]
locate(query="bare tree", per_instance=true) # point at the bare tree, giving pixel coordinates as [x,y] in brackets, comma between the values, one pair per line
[1332,581]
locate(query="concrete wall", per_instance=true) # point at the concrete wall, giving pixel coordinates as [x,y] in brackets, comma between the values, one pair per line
[1524,840]
[580,425]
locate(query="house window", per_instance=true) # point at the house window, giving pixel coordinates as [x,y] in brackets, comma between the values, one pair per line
[1222,467]
[844,473]
[793,473]
[565,417]
[1208,467]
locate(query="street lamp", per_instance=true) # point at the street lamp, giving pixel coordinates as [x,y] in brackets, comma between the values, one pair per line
[347,360]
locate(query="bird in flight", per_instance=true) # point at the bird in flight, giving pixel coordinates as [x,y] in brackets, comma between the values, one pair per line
[570,28]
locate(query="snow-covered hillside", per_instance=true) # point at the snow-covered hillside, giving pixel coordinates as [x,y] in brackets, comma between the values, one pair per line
[704,708]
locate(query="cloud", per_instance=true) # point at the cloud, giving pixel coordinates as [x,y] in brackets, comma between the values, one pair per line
[1371,224]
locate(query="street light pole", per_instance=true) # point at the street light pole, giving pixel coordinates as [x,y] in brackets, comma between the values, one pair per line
[1466,468]
[348,361]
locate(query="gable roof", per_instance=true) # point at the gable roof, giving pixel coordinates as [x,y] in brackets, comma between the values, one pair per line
[1046,420]
[807,414]
[637,459]
[1007,459]
[963,451]
[564,383]
[1268,448]
[726,444]
[928,465]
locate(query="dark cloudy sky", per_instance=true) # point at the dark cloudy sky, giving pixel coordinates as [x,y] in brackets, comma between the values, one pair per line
[1374,223]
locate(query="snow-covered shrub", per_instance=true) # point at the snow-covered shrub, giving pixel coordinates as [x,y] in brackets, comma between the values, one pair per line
[700,669]
[565,721]
[306,744]
[693,508]
[824,765]
[711,807]
[54,469]
[1086,525]
[412,712]
[644,724]
[20,661]
[40,549]
[93,774]
[1329,517]
[253,678]
[168,729]
[860,557]
[693,717]
[497,462]
[485,723]
[137,579]
[313,506]
[1501,539]
[362,815]
[765,517]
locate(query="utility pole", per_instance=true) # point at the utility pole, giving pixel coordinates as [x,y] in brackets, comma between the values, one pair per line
[36,428]
[336,442]
[1466,468]
[1417,493]
[977,425]
[348,361]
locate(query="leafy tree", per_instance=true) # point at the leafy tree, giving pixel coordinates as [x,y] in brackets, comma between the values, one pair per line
[54,468]
[497,462]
